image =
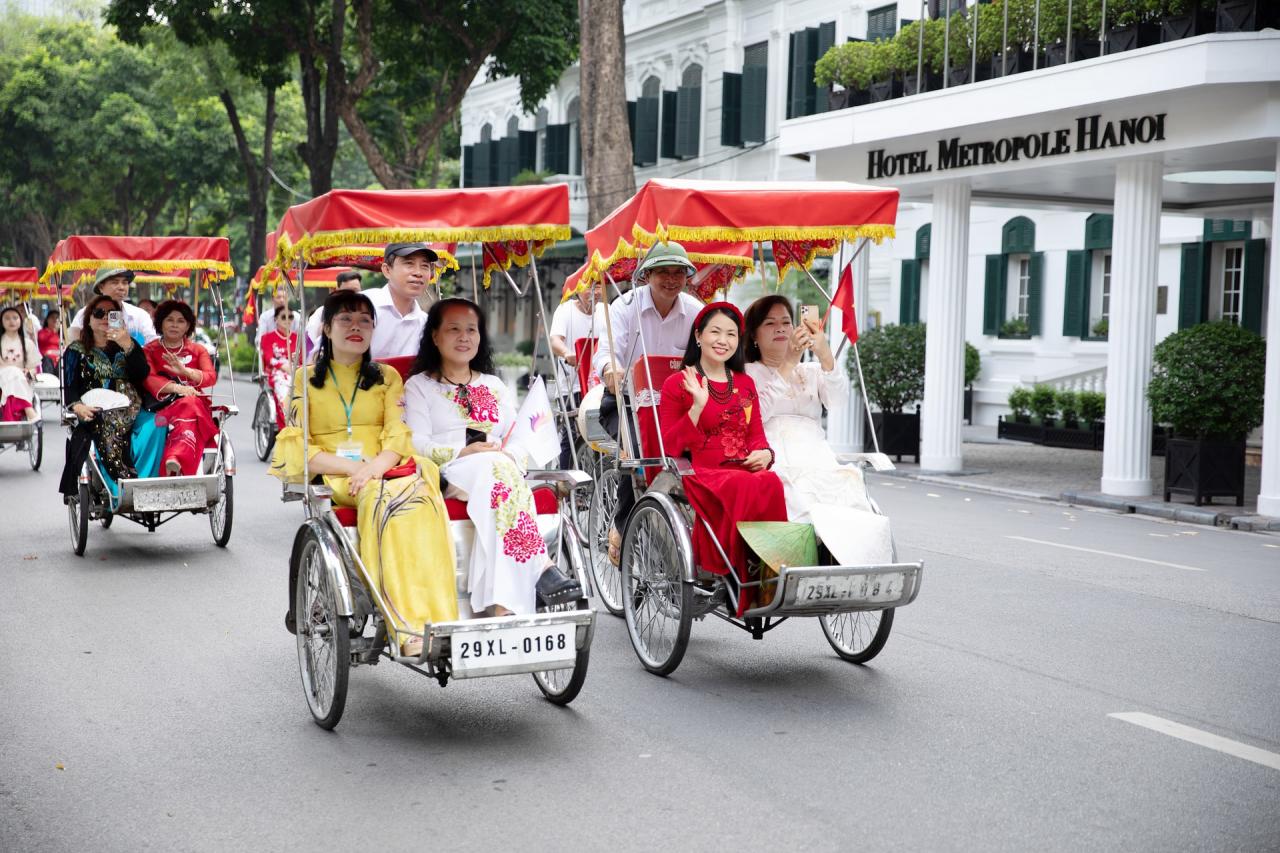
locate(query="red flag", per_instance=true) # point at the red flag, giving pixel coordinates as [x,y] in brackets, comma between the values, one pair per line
[843,300]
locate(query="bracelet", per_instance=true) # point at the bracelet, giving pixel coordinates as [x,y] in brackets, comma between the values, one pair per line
[772,458]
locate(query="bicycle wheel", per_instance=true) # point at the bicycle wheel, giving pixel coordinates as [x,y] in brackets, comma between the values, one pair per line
[657,600]
[324,641]
[78,519]
[35,447]
[220,514]
[264,427]
[604,501]
[859,636]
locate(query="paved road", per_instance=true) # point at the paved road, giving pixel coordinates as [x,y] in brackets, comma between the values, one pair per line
[149,700]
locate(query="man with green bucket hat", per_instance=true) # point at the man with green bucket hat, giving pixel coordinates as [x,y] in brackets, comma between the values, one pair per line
[660,312]
[114,282]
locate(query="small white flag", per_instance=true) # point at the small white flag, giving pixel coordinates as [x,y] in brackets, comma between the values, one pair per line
[534,431]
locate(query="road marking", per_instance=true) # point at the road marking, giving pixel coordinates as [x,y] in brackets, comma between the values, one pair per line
[1201,738]
[1107,554]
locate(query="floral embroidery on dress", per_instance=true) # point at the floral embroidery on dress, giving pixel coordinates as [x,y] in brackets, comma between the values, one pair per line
[511,497]
[477,404]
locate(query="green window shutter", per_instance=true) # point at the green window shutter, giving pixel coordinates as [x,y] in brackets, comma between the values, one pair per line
[1018,236]
[508,160]
[1075,316]
[646,146]
[731,110]
[631,130]
[924,237]
[1217,230]
[1097,231]
[688,109]
[1193,285]
[555,149]
[1255,252]
[824,37]
[755,98]
[792,42]
[993,295]
[1035,292]
[670,108]
[800,74]
[495,163]
[882,23]
[480,172]
[468,165]
[909,294]
[528,159]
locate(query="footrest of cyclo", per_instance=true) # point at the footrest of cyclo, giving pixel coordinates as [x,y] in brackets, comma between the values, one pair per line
[823,590]
[504,645]
[13,431]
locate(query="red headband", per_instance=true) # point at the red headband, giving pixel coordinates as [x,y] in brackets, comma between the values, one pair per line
[726,306]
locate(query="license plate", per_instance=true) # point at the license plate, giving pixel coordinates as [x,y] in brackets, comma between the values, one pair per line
[850,589]
[505,647]
[160,498]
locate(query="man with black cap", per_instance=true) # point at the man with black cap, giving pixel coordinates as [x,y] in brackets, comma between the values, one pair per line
[409,268]
[114,282]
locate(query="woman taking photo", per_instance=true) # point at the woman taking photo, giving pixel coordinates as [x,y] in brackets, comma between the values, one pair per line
[105,356]
[49,342]
[179,371]
[356,434]
[710,411]
[459,412]
[19,361]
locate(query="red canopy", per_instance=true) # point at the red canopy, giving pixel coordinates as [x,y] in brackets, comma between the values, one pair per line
[267,277]
[351,227]
[19,278]
[210,255]
[717,221]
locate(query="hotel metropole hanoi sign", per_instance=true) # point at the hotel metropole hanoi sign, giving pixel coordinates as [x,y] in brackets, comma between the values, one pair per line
[1090,133]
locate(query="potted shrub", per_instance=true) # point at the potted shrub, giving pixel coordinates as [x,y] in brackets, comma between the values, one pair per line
[1044,403]
[972,367]
[1020,404]
[960,51]
[1246,16]
[1130,24]
[1093,407]
[1017,328]
[909,56]
[1018,426]
[1070,432]
[893,368]
[847,65]
[1180,19]
[1207,385]
[1053,33]
[1016,57]
[1068,403]
[1100,328]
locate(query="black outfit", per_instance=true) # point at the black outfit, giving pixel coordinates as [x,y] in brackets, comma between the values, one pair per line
[626,490]
[119,371]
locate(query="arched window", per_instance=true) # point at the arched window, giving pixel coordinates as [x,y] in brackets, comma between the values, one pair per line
[486,133]
[540,126]
[689,113]
[513,126]
[1014,283]
[648,122]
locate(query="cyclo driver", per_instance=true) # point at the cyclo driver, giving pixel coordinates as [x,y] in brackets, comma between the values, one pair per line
[663,312]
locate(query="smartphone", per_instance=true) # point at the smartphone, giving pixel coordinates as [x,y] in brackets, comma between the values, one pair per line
[115,320]
[808,313]
[475,436]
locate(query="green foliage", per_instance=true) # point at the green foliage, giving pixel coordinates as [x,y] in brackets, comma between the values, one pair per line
[244,358]
[892,364]
[1068,403]
[850,65]
[1020,401]
[1093,405]
[972,364]
[528,177]
[512,359]
[525,347]
[1044,402]
[1015,328]
[1207,381]
[1100,328]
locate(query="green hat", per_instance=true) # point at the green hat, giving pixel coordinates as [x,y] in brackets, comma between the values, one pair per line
[669,254]
[110,272]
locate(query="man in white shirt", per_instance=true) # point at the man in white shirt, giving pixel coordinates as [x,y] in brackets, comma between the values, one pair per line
[663,313]
[409,268]
[114,282]
[348,280]
[267,322]
[574,319]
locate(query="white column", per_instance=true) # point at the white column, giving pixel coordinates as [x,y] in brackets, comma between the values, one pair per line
[1135,249]
[1269,494]
[943,413]
[845,425]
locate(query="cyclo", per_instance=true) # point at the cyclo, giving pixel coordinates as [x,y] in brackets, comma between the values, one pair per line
[342,618]
[21,283]
[658,587]
[151,501]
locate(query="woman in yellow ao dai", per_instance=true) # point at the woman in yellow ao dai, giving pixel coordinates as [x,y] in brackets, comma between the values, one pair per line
[355,434]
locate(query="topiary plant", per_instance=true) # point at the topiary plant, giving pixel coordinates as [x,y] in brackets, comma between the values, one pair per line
[848,65]
[1068,403]
[1093,405]
[1020,402]
[892,365]
[1044,402]
[972,364]
[1207,381]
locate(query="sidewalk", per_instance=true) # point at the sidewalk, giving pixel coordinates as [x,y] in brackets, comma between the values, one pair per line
[1073,476]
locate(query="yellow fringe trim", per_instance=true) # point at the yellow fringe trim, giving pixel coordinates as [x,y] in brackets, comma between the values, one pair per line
[288,252]
[814,252]
[320,255]
[167,280]
[874,232]
[536,250]
[219,270]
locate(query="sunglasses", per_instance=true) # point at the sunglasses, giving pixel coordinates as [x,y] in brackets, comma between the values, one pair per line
[100,313]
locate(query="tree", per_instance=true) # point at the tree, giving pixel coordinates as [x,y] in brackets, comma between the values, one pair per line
[606,142]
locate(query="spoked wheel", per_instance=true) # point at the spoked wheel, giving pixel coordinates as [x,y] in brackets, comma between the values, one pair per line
[221,512]
[604,502]
[561,686]
[264,427]
[324,641]
[35,447]
[657,600]
[78,519]
[859,636]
